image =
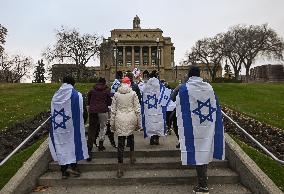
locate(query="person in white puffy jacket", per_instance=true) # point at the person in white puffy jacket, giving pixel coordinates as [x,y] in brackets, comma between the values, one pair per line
[125,119]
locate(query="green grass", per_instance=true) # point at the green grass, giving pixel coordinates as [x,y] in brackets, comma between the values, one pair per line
[272,169]
[264,102]
[10,168]
[23,101]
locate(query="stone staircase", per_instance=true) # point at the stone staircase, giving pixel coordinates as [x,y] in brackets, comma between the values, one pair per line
[158,170]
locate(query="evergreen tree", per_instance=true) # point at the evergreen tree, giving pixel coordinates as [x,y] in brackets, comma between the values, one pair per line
[228,71]
[39,72]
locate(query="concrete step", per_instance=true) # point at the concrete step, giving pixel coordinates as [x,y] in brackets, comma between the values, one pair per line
[153,177]
[107,164]
[145,189]
[138,153]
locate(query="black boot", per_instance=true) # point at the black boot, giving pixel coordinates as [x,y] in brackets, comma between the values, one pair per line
[101,146]
[156,140]
[90,155]
[64,172]
[202,179]
[111,139]
[152,140]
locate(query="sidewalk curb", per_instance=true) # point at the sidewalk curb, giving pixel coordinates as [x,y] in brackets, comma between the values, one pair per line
[250,174]
[27,176]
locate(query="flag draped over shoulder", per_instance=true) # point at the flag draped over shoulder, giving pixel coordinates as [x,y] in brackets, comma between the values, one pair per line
[67,141]
[155,99]
[201,132]
[115,84]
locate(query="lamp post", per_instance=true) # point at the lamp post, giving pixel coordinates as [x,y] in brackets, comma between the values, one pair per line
[115,42]
[176,72]
[158,63]
[174,66]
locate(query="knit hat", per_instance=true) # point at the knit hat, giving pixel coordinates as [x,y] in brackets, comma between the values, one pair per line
[126,80]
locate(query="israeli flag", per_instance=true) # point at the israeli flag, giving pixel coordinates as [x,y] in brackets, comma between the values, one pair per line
[153,114]
[165,96]
[200,123]
[67,141]
[115,84]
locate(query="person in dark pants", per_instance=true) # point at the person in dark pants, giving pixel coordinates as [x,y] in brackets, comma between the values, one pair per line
[125,119]
[98,100]
[67,108]
[109,134]
[121,144]
[173,120]
[201,131]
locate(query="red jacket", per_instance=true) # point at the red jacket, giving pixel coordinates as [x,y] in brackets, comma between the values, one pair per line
[99,99]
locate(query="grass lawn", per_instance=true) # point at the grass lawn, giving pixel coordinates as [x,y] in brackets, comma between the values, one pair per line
[23,101]
[8,170]
[274,170]
[264,102]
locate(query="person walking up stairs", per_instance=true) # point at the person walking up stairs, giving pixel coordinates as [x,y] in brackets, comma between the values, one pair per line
[125,118]
[99,98]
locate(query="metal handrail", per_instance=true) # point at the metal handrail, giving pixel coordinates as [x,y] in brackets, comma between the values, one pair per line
[254,140]
[24,142]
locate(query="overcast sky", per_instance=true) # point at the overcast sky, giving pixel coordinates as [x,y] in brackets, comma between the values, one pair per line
[31,24]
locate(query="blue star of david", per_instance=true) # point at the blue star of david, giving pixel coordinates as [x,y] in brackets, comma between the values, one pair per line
[202,117]
[152,101]
[64,119]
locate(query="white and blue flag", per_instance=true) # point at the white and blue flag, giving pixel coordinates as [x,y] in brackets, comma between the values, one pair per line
[201,132]
[67,141]
[155,99]
[115,84]
[165,96]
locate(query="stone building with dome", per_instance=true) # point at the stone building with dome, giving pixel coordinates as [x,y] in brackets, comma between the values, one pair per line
[137,47]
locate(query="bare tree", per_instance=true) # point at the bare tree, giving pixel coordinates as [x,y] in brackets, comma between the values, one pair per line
[13,69]
[234,48]
[73,47]
[209,51]
[3,33]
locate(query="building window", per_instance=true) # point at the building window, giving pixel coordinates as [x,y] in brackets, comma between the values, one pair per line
[145,54]
[128,56]
[137,55]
